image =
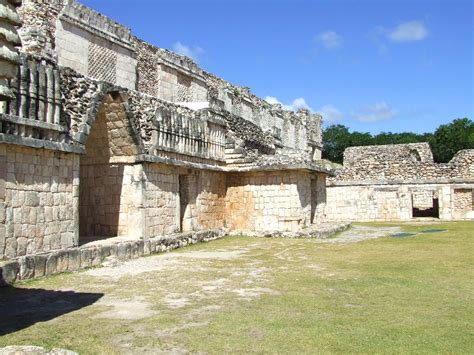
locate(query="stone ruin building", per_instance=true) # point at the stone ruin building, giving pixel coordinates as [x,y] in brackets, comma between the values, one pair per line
[400,182]
[107,136]
[104,137]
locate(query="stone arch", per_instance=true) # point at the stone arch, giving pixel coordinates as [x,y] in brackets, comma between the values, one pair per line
[106,202]
[112,100]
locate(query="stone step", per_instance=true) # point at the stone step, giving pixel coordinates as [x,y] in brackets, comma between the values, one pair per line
[234,156]
[235,161]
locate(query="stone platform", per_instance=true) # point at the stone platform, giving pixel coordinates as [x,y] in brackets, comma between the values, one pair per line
[95,253]
[319,230]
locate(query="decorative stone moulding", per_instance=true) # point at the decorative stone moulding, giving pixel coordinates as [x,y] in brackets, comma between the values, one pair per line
[9,39]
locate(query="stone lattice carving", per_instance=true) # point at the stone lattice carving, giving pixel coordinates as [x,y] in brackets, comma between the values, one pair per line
[9,38]
[184,88]
[102,63]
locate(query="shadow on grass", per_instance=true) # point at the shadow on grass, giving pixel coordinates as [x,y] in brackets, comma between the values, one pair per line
[23,307]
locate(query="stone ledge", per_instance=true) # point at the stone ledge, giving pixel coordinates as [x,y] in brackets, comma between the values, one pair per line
[41,144]
[373,183]
[32,123]
[33,350]
[318,230]
[93,255]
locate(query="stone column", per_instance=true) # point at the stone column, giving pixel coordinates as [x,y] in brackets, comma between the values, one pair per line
[9,38]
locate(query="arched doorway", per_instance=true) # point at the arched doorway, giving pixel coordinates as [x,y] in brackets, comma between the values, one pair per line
[107,206]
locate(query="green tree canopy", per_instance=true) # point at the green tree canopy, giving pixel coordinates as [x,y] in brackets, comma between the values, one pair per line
[445,142]
[450,138]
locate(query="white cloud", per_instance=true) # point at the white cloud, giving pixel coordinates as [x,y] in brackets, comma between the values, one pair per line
[295,105]
[372,113]
[329,39]
[272,100]
[408,32]
[191,52]
[330,113]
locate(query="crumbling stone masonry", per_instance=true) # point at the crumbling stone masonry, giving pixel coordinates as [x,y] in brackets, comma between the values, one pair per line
[111,146]
[400,182]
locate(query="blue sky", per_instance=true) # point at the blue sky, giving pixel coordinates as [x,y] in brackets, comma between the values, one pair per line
[370,65]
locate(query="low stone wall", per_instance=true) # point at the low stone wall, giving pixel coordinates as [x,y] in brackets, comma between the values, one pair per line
[73,259]
[316,231]
[394,202]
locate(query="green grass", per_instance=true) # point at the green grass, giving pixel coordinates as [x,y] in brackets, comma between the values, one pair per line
[389,295]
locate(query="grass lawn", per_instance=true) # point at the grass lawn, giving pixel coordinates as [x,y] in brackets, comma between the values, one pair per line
[246,295]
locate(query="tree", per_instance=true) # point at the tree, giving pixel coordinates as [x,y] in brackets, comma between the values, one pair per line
[336,140]
[449,138]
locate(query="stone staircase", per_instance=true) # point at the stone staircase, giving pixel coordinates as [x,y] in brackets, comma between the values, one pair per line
[234,156]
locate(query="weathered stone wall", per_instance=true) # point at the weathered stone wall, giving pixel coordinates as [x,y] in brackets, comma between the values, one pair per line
[211,200]
[401,163]
[367,203]
[396,202]
[38,33]
[464,203]
[168,76]
[39,200]
[385,183]
[423,199]
[111,198]
[161,199]
[111,201]
[95,46]
[268,201]
[296,130]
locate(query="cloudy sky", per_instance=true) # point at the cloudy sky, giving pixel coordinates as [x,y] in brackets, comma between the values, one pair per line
[386,65]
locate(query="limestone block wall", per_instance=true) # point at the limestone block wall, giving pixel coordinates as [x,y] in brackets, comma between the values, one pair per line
[111,200]
[176,86]
[182,199]
[162,203]
[423,199]
[168,76]
[318,198]
[367,203]
[39,198]
[268,201]
[95,46]
[464,203]
[211,200]
[396,202]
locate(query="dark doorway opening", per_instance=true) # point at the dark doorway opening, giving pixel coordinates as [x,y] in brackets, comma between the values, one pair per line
[432,212]
[187,199]
[314,197]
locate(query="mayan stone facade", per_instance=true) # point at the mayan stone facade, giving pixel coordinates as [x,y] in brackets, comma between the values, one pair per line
[400,182]
[110,146]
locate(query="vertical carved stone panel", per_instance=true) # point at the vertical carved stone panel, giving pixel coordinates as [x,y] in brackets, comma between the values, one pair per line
[9,38]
